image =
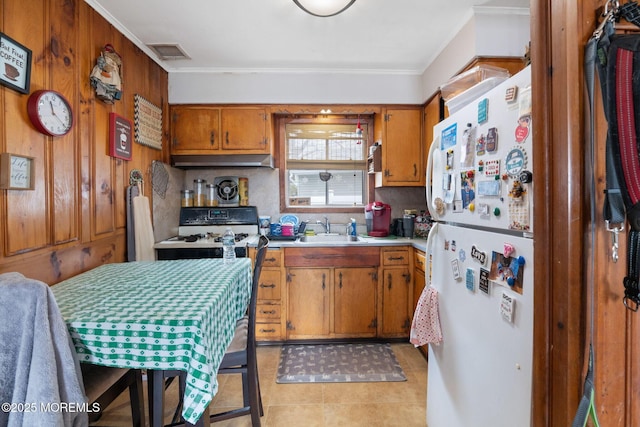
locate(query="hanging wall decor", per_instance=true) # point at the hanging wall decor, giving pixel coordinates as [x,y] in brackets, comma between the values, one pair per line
[15,64]
[120,136]
[147,120]
[105,77]
[17,172]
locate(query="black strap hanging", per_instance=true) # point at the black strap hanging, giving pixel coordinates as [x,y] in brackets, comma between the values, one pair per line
[618,67]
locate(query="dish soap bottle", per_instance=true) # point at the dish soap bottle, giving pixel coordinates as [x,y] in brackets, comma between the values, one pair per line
[228,246]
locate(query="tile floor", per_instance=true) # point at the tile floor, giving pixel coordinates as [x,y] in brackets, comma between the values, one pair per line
[314,405]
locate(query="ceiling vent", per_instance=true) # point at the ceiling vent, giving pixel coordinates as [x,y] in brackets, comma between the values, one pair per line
[168,51]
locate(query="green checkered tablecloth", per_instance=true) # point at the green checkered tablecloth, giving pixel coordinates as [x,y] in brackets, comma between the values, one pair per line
[159,315]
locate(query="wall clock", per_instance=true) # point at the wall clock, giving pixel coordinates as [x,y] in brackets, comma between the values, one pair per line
[50,112]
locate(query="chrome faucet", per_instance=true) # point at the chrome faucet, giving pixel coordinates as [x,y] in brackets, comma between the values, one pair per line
[326,224]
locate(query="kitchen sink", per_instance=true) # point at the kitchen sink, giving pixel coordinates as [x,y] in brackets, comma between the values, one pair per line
[329,238]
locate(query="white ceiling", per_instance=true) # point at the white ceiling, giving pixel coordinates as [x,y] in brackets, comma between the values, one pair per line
[390,36]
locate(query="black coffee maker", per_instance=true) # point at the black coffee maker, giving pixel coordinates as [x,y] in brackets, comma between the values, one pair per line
[397,227]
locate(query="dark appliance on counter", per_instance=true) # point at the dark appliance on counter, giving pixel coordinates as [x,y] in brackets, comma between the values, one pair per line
[200,232]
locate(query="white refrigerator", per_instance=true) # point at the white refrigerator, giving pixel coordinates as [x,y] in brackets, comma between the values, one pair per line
[480,260]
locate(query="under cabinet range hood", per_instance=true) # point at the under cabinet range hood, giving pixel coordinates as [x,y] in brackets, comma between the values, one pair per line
[222,161]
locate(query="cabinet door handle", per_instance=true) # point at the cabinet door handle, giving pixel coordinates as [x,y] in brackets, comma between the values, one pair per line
[323,279]
[415,170]
[212,138]
[262,285]
[270,259]
[389,280]
[340,280]
[268,331]
[267,312]
[226,137]
[407,277]
[395,258]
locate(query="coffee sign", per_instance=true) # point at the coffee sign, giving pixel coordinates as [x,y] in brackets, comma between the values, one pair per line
[15,64]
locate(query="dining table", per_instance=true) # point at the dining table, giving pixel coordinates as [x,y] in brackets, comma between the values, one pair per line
[177,315]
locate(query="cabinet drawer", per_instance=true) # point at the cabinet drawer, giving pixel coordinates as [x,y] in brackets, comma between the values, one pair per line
[419,260]
[266,312]
[272,259]
[269,285]
[396,257]
[268,331]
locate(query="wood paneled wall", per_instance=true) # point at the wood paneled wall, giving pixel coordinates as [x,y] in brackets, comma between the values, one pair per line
[75,218]
[566,283]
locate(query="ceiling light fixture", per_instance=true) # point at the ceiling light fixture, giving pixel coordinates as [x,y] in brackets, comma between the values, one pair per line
[324,8]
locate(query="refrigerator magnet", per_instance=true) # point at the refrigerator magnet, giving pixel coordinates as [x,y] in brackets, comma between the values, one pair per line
[492,140]
[522,130]
[455,269]
[484,210]
[515,161]
[478,255]
[483,110]
[470,280]
[511,94]
[481,143]
[448,137]
[507,307]
[492,168]
[483,283]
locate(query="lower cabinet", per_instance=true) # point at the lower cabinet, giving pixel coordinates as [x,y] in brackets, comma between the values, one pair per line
[337,292]
[331,302]
[355,301]
[397,293]
[309,298]
[331,292]
[270,294]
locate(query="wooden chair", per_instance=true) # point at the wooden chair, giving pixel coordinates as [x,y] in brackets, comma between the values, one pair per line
[240,356]
[104,384]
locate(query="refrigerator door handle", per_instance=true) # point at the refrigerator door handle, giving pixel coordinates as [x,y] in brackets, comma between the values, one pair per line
[429,180]
[429,252]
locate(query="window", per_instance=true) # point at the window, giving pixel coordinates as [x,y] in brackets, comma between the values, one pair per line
[325,163]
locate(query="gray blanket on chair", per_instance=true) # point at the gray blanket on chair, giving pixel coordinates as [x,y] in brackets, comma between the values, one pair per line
[40,378]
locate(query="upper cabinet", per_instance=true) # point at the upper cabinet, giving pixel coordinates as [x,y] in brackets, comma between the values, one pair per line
[402,151]
[245,129]
[194,130]
[220,130]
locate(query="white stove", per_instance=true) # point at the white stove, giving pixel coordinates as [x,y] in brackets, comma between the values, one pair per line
[200,232]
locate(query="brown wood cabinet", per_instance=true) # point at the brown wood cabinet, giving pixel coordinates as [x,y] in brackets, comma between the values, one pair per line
[245,129]
[433,114]
[194,130]
[397,292]
[402,150]
[355,305]
[332,292]
[199,129]
[270,294]
[309,302]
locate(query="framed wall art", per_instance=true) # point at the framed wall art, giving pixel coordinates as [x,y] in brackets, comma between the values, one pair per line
[15,64]
[148,123]
[17,172]
[120,136]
